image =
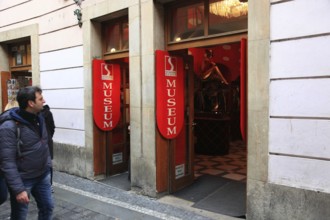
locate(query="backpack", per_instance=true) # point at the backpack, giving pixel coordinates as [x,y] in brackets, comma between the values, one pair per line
[3,185]
[18,135]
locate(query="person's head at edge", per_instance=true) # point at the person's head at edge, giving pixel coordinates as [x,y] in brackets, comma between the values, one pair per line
[30,99]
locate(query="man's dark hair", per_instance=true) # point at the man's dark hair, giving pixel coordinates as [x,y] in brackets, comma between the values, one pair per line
[27,94]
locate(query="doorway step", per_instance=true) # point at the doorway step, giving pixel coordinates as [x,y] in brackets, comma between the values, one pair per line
[216,194]
[119,181]
[220,183]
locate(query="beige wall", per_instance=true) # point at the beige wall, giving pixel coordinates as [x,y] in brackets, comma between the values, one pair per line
[275,153]
[258,102]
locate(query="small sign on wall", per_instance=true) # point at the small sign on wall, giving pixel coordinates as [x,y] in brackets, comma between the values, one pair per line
[18,59]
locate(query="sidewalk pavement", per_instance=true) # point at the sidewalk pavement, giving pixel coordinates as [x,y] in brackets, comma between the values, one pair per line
[79,198]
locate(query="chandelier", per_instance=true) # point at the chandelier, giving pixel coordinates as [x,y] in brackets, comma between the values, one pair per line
[229,8]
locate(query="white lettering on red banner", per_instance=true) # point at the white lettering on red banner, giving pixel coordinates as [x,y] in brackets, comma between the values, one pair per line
[169,94]
[106,94]
[107,75]
[171,71]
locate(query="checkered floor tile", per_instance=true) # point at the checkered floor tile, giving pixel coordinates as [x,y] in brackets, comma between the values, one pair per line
[231,166]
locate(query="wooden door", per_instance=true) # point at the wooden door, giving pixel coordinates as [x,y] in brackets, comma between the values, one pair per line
[4,90]
[181,155]
[118,147]
[112,148]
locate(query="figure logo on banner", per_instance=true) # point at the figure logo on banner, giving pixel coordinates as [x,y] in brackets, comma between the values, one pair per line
[106,73]
[170,66]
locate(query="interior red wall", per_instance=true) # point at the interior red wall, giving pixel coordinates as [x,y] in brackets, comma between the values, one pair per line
[226,54]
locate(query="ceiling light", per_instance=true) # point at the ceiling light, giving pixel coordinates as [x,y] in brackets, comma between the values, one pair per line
[229,8]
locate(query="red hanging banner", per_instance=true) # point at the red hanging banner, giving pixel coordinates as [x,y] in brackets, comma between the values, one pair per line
[106,94]
[169,94]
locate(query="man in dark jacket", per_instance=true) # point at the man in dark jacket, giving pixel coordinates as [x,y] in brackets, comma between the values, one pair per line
[26,167]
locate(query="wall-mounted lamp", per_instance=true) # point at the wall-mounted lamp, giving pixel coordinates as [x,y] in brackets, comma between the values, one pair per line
[78,2]
[78,13]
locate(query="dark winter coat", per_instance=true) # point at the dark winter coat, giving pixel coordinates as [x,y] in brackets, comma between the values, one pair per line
[50,126]
[35,158]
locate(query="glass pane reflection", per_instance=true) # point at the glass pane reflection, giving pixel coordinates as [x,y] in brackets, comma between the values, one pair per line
[113,38]
[187,22]
[224,16]
[117,36]
[125,29]
[227,15]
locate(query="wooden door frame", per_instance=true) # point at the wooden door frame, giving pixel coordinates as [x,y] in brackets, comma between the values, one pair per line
[5,75]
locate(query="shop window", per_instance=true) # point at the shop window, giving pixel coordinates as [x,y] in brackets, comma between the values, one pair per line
[20,63]
[116,36]
[187,22]
[207,18]
[20,56]
[227,16]
[20,73]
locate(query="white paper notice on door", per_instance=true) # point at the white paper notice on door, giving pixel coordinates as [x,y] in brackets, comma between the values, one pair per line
[179,171]
[117,158]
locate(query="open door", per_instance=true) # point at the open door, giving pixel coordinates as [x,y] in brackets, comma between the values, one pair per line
[118,147]
[182,148]
[175,116]
[112,146]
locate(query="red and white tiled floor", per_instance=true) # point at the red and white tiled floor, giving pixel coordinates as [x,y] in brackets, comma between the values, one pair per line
[231,166]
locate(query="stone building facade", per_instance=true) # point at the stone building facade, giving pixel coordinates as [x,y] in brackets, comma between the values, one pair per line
[288,119]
